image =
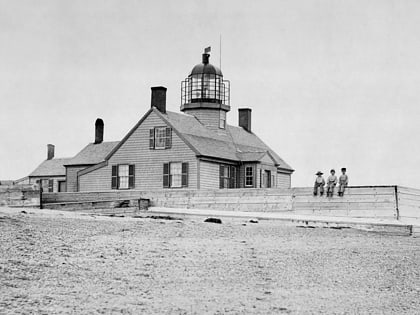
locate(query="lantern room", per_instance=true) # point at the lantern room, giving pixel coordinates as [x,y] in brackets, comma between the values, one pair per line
[205,88]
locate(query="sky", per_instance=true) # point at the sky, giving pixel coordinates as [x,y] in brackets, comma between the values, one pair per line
[331,83]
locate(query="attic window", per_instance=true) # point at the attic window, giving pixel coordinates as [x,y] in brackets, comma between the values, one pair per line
[160,138]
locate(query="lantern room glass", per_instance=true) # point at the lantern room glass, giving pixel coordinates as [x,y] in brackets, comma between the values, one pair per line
[205,87]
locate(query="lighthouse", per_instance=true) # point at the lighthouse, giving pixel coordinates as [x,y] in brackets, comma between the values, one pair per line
[206,95]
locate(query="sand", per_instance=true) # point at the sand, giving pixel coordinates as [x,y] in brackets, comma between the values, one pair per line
[56,262]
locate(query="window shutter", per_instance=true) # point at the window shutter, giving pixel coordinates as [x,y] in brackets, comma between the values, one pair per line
[168,142]
[232,177]
[166,175]
[114,177]
[184,180]
[221,174]
[131,176]
[151,139]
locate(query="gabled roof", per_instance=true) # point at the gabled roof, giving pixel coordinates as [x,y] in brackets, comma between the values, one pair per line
[251,156]
[237,145]
[93,153]
[53,167]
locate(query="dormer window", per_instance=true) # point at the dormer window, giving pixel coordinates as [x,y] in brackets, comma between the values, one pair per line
[160,138]
[222,121]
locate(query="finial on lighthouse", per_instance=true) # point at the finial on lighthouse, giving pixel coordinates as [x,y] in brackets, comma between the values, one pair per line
[206,55]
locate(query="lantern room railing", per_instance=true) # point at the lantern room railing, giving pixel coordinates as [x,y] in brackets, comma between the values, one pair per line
[204,87]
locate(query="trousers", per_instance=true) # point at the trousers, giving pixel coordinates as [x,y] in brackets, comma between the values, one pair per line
[330,188]
[321,188]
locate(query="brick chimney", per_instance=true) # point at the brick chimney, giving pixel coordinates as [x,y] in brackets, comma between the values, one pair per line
[159,98]
[50,151]
[245,118]
[99,131]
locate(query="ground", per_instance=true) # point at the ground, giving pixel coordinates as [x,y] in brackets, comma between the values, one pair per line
[54,262]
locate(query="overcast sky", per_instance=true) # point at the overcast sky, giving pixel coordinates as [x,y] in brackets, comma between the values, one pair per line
[331,83]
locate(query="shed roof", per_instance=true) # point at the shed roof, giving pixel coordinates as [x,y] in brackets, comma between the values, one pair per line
[53,167]
[93,153]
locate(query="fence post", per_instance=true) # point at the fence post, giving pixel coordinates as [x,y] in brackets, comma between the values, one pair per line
[40,198]
[396,203]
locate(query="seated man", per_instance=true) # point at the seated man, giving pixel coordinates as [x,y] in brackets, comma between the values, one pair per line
[331,182]
[319,183]
[343,182]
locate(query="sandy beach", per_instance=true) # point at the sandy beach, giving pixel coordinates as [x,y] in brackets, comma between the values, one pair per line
[55,262]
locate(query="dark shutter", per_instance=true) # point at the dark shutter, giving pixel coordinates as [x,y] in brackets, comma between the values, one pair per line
[114,177]
[131,176]
[50,185]
[166,175]
[184,180]
[151,139]
[232,183]
[221,174]
[168,142]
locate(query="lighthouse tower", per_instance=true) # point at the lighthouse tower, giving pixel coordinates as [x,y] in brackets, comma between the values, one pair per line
[205,94]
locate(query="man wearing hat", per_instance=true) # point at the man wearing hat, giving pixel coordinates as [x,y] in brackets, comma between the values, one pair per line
[319,183]
[343,182]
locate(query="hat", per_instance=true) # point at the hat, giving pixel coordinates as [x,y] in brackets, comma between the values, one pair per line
[333,170]
[343,169]
[319,173]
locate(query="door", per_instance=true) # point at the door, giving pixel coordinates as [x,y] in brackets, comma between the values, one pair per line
[61,186]
[267,179]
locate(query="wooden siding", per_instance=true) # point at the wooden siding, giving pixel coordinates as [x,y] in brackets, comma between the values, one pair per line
[363,202]
[71,176]
[209,118]
[209,175]
[283,180]
[409,203]
[97,180]
[148,163]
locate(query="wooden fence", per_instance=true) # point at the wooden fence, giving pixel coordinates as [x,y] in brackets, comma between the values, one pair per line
[371,202]
[408,203]
[19,196]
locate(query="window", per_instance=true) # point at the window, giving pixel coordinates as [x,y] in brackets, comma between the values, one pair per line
[50,185]
[122,176]
[175,175]
[222,121]
[227,176]
[160,138]
[249,176]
